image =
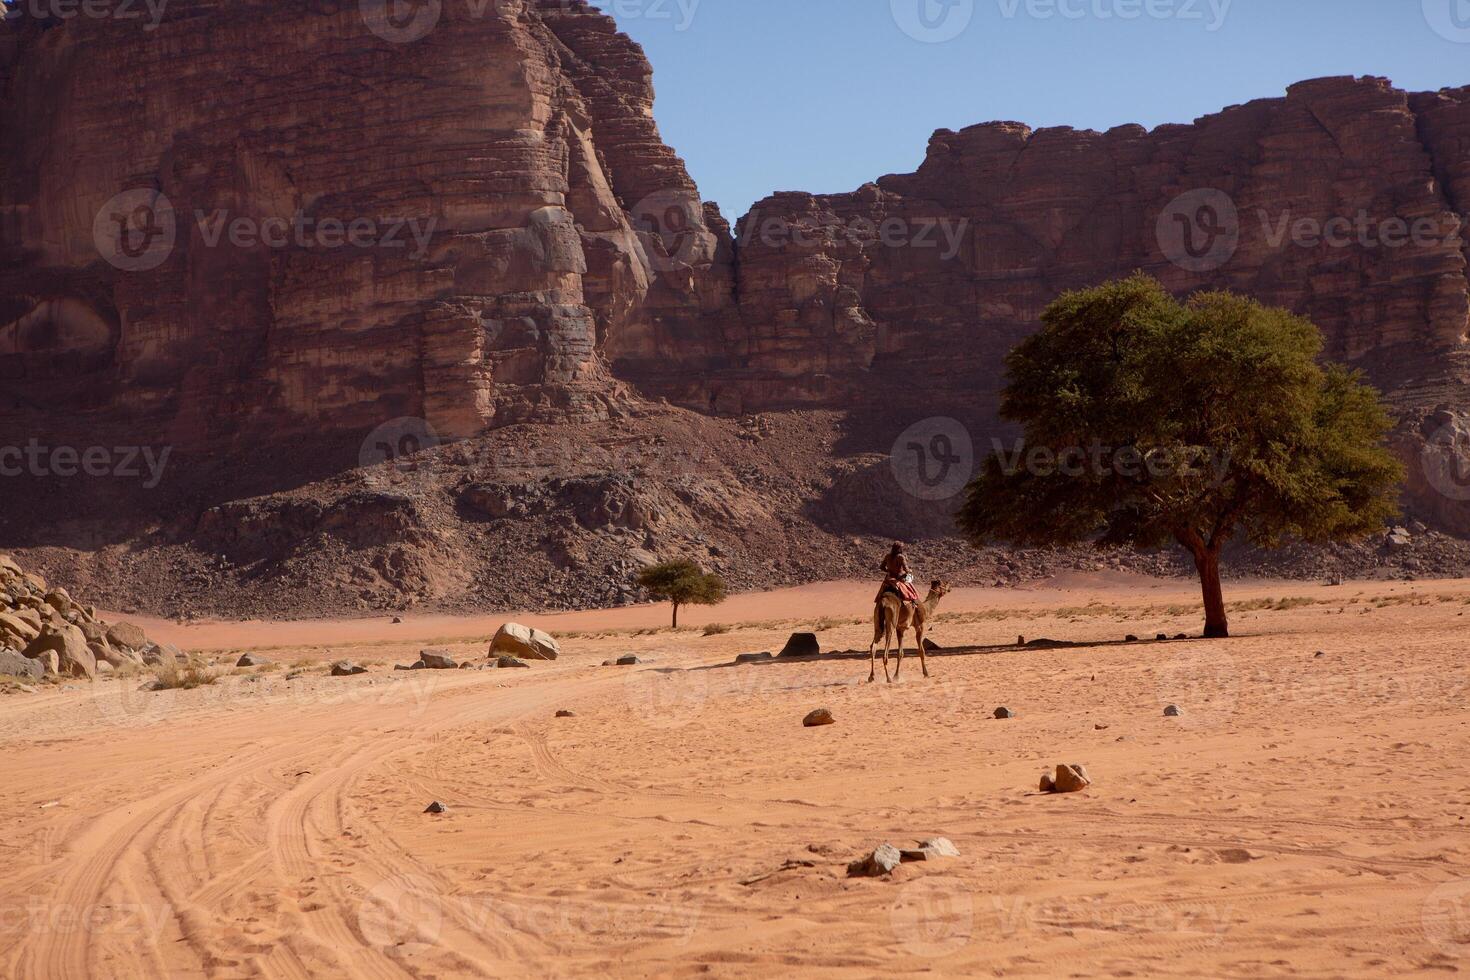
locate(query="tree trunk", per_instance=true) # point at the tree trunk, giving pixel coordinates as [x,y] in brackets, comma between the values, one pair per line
[1208,563]
[676,615]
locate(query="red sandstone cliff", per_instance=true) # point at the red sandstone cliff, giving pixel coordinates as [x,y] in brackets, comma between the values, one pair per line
[532,251]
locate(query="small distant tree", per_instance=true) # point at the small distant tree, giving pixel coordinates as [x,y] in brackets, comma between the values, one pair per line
[682,583]
[1149,421]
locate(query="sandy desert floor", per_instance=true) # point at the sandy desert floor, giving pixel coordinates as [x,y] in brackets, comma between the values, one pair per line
[1306,815]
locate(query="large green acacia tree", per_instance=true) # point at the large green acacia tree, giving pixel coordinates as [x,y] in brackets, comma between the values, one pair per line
[1148,421]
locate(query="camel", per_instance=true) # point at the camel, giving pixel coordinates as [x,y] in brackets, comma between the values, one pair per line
[890,614]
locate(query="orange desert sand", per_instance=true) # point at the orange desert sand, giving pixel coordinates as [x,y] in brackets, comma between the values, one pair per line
[1305,815]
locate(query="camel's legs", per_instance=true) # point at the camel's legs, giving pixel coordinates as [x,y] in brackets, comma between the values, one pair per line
[919,638]
[887,642]
[899,669]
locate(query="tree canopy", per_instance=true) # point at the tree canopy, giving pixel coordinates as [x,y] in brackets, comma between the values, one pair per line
[682,583]
[1148,420]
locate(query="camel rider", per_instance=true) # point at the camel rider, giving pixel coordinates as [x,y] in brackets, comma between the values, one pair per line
[895,569]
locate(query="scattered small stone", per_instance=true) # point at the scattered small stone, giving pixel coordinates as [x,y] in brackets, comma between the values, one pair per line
[750,658]
[1173,711]
[251,660]
[467,666]
[1004,712]
[435,807]
[801,645]
[511,662]
[934,847]
[1130,638]
[346,668]
[1181,636]
[1020,641]
[820,716]
[565,713]
[630,660]
[1099,728]
[882,861]
[1048,783]
[1319,653]
[930,646]
[609,663]
[1162,636]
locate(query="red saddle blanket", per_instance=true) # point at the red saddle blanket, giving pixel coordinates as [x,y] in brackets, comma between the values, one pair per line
[905,591]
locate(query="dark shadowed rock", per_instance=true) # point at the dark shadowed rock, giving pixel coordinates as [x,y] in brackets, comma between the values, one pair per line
[346,668]
[1004,712]
[565,713]
[436,807]
[934,847]
[251,660]
[511,662]
[801,645]
[750,658]
[1173,711]
[15,665]
[630,660]
[438,660]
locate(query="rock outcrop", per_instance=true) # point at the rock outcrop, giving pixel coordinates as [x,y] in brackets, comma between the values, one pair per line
[364,220]
[383,233]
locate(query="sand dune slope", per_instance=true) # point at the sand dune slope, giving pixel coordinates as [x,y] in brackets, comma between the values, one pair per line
[1305,815]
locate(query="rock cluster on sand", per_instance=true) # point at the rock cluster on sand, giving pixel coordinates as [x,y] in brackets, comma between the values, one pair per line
[819,717]
[515,640]
[1069,778]
[886,857]
[44,632]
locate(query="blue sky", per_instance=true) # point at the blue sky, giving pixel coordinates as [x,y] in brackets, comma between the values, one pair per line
[822,95]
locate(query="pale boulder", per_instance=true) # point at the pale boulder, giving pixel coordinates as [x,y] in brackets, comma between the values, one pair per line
[515,640]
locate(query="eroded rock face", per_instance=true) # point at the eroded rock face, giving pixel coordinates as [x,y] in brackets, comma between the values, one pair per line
[358,223]
[919,283]
[473,221]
